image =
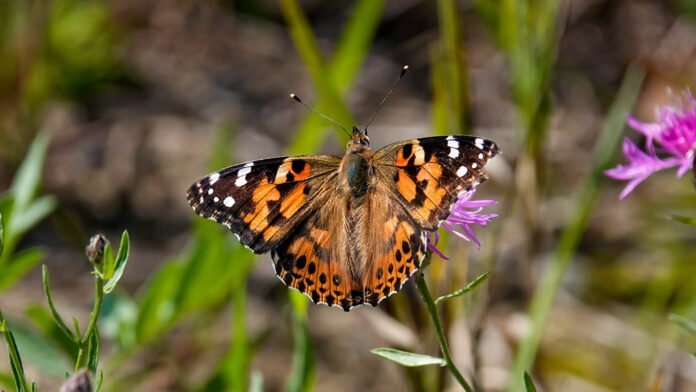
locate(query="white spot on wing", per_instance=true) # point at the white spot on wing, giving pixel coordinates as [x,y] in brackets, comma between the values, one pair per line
[216,199]
[462,171]
[474,165]
[228,202]
[452,143]
[453,153]
[480,156]
[241,180]
[210,191]
[213,178]
[479,143]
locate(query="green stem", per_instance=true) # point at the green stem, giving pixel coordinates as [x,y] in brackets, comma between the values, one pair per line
[444,346]
[96,309]
[83,341]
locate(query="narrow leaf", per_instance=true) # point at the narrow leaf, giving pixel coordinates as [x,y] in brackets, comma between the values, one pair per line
[24,219]
[93,350]
[29,173]
[406,358]
[688,325]
[472,285]
[15,359]
[56,316]
[108,267]
[528,383]
[19,266]
[119,263]
[2,235]
[688,220]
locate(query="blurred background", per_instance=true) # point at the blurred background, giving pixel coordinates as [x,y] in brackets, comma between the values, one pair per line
[133,101]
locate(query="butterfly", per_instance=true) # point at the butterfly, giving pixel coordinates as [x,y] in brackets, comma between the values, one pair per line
[345,231]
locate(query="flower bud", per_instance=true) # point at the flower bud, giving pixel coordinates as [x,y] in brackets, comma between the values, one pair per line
[78,382]
[95,249]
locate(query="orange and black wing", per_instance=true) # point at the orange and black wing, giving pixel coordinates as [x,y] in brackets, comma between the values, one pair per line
[262,201]
[336,262]
[429,174]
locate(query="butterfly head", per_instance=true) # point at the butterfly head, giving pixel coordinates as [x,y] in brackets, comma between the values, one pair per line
[359,141]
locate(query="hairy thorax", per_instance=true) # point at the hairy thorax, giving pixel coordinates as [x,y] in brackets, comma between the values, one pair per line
[356,170]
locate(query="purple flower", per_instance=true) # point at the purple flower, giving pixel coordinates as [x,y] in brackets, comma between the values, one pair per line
[465,213]
[673,136]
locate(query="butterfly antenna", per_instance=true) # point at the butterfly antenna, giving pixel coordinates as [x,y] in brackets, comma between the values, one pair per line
[386,97]
[311,109]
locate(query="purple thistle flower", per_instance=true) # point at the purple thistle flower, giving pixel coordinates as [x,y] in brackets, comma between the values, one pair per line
[465,213]
[674,136]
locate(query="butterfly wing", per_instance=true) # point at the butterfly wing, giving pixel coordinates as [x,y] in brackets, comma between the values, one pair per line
[346,257]
[417,183]
[262,201]
[429,174]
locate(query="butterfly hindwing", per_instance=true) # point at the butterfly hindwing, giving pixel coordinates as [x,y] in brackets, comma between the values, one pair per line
[325,260]
[429,174]
[261,201]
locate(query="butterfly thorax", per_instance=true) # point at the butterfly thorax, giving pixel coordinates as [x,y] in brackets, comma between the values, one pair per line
[356,165]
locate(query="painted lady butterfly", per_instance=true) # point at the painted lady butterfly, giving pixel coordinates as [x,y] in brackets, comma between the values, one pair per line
[345,231]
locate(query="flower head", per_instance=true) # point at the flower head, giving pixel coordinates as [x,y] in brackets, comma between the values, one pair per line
[673,137]
[465,213]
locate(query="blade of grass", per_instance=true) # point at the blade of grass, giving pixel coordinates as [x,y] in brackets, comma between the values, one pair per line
[543,299]
[335,78]
[454,66]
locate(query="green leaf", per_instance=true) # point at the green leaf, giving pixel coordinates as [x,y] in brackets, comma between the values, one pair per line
[108,267]
[405,358]
[56,316]
[40,352]
[6,380]
[472,285]
[23,220]
[119,263]
[157,307]
[43,321]
[29,173]
[684,219]
[93,350]
[15,359]
[19,266]
[99,381]
[2,235]
[688,325]
[528,383]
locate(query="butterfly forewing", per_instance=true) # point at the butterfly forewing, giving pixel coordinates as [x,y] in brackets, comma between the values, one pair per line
[262,201]
[429,174]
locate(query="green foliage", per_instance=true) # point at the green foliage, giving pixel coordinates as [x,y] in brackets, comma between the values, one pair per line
[528,383]
[332,80]
[113,268]
[472,285]
[407,359]
[687,324]
[450,104]
[687,220]
[16,365]
[21,210]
